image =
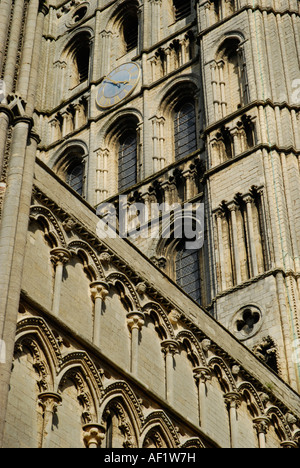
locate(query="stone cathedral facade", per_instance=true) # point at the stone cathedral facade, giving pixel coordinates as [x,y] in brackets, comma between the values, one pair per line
[138,341]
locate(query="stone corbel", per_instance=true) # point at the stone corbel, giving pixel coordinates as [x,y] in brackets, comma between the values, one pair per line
[93,435]
[48,401]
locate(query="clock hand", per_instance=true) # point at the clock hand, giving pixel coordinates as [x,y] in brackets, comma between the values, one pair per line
[117,83]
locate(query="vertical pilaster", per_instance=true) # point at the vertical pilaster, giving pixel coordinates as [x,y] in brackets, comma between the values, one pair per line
[202,375]
[233,208]
[99,292]
[169,348]
[261,425]
[135,321]
[59,257]
[233,400]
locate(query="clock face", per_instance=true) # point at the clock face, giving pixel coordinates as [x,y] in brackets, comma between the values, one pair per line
[119,84]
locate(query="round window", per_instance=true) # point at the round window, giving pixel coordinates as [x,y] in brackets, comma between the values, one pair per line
[246,322]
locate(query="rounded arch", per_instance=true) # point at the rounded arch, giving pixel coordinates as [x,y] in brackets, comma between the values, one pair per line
[124,22]
[176,90]
[76,53]
[69,164]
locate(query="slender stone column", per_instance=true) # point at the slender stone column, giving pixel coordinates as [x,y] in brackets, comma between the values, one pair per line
[233,400]
[36,54]
[27,52]
[261,425]
[219,216]
[12,52]
[202,375]
[59,257]
[169,348]
[233,208]
[13,237]
[49,402]
[6,117]
[249,202]
[93,435]
[99,292]
[6,6]
[135,321]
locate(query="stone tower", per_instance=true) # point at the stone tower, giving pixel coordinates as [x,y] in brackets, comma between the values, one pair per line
[156,114]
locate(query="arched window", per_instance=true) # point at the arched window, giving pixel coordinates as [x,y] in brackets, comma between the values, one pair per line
[70,168]
[233,81]
[74,177]
[131,30]
[188,272]
[182,9]
[127,159]
[79,59]
[185,137]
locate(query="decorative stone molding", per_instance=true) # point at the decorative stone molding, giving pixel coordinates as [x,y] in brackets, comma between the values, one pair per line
[93,435]
[60,255]
[135,320]
[49,402]
[99,290]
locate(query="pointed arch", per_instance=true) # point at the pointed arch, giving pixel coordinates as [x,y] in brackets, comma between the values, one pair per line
[84,251]
[252,399]
[53,233]
[117,277]
[160,318]
[279,423]
[34,333]
[159,422]
[194,348]
[223,374]
[121,403]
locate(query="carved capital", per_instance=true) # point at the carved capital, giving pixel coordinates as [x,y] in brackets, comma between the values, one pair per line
[99,290]
[49,401]
[233,399]
[261,424]
[93,435]
[135,320]
[60,256]
[289,444]
[169,347]
[202,374]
